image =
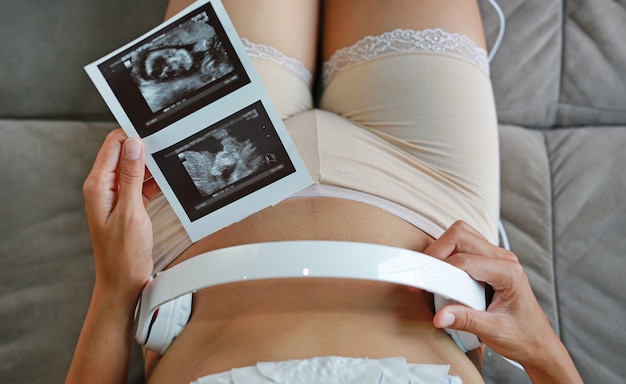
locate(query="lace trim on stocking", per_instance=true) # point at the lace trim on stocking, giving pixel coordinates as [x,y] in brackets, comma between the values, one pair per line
[402,40]
[264,52]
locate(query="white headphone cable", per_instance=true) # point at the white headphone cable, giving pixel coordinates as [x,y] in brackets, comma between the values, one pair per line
[503,235]
[498,41]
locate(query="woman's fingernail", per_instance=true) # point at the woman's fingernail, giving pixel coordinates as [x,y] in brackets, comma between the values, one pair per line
[132,149]
[446,319]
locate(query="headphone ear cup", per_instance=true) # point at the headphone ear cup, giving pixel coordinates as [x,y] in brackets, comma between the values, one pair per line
[464,340]
[168,322]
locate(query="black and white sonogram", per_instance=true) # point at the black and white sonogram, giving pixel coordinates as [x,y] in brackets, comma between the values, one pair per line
[173,66]
[174,71]
[221,160]
[225,162]
[214,141]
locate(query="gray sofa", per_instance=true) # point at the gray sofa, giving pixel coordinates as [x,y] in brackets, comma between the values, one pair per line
[560,85]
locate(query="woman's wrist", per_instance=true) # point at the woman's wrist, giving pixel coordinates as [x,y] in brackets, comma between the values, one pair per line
[120,298]
[122,283]
[103,349]
[551,364]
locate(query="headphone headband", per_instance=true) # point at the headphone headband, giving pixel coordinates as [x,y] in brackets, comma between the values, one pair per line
[309,259]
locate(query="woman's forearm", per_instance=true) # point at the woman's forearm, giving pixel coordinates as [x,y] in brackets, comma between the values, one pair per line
[552,365]
[103,351]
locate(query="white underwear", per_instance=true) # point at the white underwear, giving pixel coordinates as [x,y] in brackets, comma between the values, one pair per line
[336,370]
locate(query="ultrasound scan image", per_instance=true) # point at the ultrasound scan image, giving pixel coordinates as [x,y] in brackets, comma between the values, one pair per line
[173,66]
[222,161]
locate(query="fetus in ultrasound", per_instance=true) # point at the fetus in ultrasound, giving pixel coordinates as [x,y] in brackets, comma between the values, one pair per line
[174,67]
[222,161]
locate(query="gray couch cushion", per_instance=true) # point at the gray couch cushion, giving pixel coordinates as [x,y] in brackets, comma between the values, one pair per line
[529,52]
[589,225]
[46,44]
[561,63]
[593,86]
[564,207]
[47,273]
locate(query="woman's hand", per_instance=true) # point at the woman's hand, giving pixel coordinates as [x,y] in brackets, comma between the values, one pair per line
[121,232]
[514,325]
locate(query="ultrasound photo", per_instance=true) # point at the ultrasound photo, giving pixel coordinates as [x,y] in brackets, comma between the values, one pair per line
[227,161]
[173,66]
[222,161]
[213,138]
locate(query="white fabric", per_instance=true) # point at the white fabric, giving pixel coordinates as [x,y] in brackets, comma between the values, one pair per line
[264,52]
[336,370]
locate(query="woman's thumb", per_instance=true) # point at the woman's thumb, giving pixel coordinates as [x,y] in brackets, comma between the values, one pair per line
[461,318]
[132,170]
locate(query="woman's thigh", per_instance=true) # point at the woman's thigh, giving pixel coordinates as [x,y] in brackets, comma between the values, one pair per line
[347,21]
[287,25]
[281,39]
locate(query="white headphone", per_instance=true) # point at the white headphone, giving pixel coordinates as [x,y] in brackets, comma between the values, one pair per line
[165,304]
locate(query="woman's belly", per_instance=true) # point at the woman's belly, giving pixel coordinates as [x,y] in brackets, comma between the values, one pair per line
[241,324]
